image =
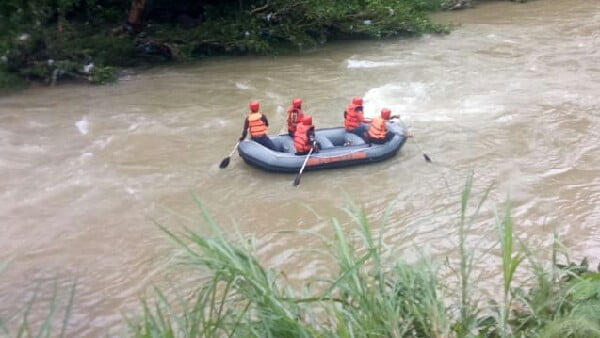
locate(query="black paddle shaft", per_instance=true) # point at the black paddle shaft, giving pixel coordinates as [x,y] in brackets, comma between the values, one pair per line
[299,176]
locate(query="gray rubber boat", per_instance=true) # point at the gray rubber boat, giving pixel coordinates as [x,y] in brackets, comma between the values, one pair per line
[338,149]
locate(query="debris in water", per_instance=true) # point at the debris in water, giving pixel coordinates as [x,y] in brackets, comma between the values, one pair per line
[83,125]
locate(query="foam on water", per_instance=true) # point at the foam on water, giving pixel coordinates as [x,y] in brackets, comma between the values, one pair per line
[399,97]
[370,64]
[83,126]
[214,123]
[101,143]
[505,118]
[242,86]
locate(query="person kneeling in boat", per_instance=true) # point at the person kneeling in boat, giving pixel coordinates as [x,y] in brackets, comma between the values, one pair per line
[304,137]
[257,124]
[378,133]
[295,115]
[354,117]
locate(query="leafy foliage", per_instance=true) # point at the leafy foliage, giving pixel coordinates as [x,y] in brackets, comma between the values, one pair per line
[76,33]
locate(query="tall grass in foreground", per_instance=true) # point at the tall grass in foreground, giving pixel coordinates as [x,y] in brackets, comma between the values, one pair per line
[373,292]
[370,295]
[19,324]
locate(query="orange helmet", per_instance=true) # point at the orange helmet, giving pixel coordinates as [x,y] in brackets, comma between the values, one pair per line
[297,103]
[254,106]
[386,113]
[357,101]
[307,120]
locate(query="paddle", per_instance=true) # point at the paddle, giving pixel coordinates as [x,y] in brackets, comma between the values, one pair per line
[297,180]
[225,161]
[427,158]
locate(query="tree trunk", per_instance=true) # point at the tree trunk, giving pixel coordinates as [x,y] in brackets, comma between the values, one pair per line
[135,15]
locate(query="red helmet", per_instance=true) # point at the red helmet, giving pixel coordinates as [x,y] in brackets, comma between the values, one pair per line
[357,101]
[254,106]
[386,113]
[297,103]
[307,120]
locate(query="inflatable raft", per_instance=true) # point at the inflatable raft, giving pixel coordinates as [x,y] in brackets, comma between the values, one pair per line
[338,149]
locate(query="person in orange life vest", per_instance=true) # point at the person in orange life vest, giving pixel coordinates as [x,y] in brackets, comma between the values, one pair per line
[304,136]
[295,115]
[257,124]
[378,130]
[354,117]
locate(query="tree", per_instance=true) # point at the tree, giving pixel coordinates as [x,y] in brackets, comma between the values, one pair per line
[135,19]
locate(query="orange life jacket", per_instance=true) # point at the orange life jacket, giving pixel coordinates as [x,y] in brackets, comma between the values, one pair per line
[353,118]
[294,117]
[301,141]
[256,125]
[378,128]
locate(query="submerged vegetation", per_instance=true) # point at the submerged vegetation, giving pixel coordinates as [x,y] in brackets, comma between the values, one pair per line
[373,291]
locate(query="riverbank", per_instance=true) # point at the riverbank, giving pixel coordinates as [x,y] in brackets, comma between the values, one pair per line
[88,41]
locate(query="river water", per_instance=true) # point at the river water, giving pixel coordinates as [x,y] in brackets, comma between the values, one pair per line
[512,95]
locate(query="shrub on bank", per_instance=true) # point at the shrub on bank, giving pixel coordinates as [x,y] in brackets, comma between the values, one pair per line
[47,40]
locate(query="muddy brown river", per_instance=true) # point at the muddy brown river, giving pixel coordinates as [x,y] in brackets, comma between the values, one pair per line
[512,95]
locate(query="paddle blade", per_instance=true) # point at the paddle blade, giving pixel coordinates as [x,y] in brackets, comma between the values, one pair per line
[297,180]
[427,158]
[224,163]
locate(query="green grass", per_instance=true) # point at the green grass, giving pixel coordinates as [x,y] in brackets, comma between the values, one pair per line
[371,292]
[19,323]
[374,293]
[32,49]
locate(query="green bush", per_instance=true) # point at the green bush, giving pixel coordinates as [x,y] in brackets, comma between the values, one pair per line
[101,75]
[10,81]
[42,34]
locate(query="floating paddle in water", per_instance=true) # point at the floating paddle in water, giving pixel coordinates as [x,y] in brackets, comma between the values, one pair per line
[225,161]
[299,176]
